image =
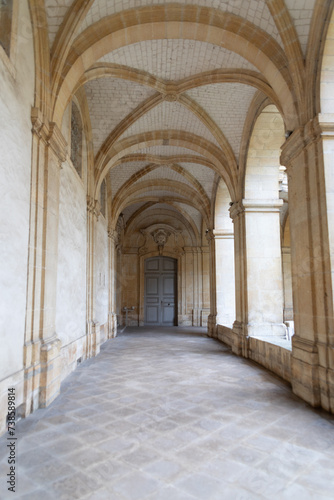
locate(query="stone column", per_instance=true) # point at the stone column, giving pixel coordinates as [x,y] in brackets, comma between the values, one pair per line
[287,281]
[42,347]
[112,316]
[313,342]
[259,286]
[239,338]
[212,319]
[93,326]
[225,277]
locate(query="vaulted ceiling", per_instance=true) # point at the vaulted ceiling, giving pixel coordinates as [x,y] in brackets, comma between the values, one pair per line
[171,89]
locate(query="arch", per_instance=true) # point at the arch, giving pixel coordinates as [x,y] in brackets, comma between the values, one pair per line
[180,215]
[327,72]
[183,21]
[235,75]
[224,255]
[186,195]
[42,59]
[259,285]
[166,160]
[149,168]
[316,55]
[263,155]
[149,104]
[166,137]
[287,274]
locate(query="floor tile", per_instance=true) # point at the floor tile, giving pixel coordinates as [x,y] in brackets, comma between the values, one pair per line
[170,414]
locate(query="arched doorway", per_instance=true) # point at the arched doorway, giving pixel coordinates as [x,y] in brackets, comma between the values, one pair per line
[160,291]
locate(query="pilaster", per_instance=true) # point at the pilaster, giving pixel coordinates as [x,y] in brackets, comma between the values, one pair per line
[93,327]
[41,349]
[313,342]
[212,319]
[113,238]
[239,335]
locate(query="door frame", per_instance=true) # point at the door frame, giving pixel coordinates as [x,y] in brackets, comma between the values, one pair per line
[142,259]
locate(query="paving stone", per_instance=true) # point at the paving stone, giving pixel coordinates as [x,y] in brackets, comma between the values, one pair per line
[135,486]
[181,434]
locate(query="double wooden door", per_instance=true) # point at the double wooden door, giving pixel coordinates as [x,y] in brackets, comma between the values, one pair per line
[160,291]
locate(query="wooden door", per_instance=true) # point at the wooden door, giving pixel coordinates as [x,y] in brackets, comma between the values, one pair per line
[160,291]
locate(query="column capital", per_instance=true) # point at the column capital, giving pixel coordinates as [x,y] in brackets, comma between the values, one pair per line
[257,206]
[209,235]
[319,127]
[40,124]
[50,133]
[113,235]
[236,208]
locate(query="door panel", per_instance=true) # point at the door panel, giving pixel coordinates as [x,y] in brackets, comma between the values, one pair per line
[160,291]
[152,286]
[168,284]
[152,313]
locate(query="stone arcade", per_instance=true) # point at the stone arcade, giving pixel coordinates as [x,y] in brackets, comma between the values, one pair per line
[175,161]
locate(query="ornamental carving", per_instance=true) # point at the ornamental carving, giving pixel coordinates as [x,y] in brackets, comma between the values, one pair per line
[160,237]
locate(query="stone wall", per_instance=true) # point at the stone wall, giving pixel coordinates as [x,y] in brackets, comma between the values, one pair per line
[16,99]
[71,276]
[275,355]
[101,271]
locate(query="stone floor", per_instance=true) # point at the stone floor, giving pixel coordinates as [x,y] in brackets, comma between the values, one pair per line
[171,414]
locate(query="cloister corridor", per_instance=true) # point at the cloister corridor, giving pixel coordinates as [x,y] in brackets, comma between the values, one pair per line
[171,414]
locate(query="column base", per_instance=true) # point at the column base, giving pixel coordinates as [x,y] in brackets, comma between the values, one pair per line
[93,339]
[305,370]
[32,372]
[212,326]
[313,372]
[239,339]
[49,387]
[112,325]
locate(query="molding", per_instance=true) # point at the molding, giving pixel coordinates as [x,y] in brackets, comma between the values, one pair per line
[326,125]
[223,234]
[255,206]
[267,206]
[304,344]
